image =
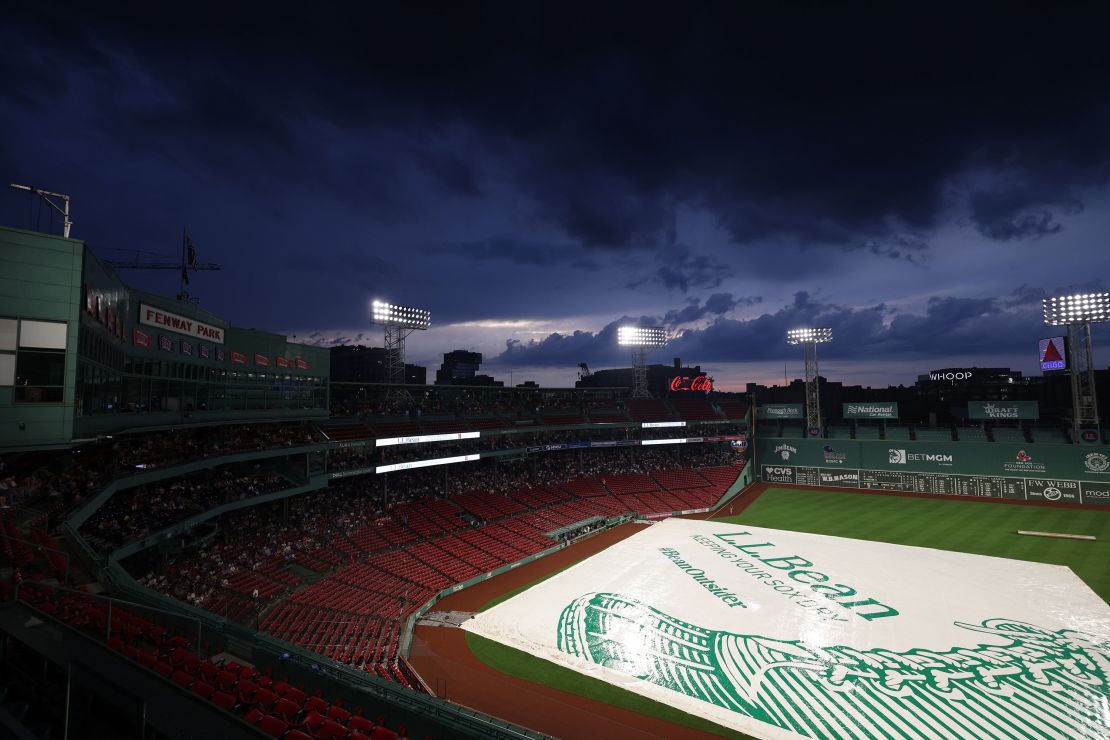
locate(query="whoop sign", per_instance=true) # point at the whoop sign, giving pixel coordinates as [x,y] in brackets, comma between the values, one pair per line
[687,383]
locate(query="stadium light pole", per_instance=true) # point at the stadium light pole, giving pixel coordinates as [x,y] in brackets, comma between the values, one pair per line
[398,322]
[1077,312]
[641,339]
[809,339]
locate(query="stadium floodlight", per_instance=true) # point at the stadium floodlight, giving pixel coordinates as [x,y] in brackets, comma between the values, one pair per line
[1076,309]
[809,338]
[801,336]
[641,339]
[403,316]
[398,322]
[1077,312]
[642,336]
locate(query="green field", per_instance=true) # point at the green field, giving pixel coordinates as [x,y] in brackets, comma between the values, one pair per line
[977,527]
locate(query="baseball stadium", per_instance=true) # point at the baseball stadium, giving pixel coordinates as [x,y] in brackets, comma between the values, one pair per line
[205,532]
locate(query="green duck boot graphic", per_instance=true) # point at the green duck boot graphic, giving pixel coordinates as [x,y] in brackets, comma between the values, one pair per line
[1040,684]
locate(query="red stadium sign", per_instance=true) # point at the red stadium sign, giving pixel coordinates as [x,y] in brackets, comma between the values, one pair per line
[697,383]
[281,361]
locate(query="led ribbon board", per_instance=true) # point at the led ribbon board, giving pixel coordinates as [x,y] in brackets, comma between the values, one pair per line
[425,463]
[390,441]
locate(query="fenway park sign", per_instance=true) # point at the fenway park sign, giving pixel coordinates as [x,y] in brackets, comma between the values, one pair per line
[696,383]
[152,316]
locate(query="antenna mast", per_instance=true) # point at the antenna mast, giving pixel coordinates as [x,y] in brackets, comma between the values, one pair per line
[47,196]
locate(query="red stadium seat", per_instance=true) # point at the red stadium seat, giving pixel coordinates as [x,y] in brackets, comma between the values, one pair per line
[223,700]
[272,726]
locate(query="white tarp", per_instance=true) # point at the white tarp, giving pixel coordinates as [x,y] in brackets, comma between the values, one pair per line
[784,634]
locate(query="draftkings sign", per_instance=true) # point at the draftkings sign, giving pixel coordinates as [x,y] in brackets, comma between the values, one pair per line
[1003,410]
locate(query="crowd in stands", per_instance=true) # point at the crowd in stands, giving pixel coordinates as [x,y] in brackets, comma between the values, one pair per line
[138,512]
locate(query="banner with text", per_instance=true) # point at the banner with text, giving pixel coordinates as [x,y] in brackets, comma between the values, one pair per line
[871,410]
[780,411]
[1003,410]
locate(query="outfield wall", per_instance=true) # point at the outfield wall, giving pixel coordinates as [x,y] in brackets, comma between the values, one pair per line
[1020,472]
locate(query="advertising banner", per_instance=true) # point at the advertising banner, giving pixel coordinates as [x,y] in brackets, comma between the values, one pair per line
[994,459]
[780,411]
[152,316]
[261,360]
[1003,410]
[281,361]
[871,410]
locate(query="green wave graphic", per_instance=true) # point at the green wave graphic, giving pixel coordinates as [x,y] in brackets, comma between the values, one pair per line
[1041,684]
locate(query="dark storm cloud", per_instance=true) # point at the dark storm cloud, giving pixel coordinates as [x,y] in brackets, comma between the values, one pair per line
[823,125]
[510,250]
[947,326]
[1012,213]
[715,305]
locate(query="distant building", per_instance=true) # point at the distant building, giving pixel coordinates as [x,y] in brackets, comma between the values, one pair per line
[358,364]
[660,378]
[460,367]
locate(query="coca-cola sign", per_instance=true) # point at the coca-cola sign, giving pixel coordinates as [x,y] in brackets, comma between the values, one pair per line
[702,383]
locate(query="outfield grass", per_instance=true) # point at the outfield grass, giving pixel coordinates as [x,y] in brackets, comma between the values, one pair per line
[976,527]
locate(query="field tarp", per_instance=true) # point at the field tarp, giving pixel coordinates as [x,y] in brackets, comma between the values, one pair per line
[785,634]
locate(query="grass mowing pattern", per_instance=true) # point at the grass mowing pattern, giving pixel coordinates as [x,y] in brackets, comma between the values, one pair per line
[976,527]
[530,668]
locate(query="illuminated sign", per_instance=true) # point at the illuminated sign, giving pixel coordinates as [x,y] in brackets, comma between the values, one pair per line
[425,463]
[696,383]
[661,424]
[665,441]
[390,441]
[1052,354]
[950,375]
[152,316]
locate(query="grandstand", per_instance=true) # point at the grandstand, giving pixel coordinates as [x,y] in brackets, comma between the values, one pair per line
[258,566]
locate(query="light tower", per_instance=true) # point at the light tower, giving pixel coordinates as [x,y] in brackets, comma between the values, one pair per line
[1078,312]
[641,339]
[809,339]
[398,322]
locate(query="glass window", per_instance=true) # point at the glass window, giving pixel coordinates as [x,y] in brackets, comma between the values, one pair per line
[7,369]
[42,334]
[40,368]
[7,333]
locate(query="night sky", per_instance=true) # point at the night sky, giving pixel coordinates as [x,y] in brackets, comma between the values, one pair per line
[535,173]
